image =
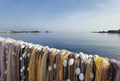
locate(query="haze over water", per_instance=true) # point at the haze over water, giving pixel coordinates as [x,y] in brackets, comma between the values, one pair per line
[107,45]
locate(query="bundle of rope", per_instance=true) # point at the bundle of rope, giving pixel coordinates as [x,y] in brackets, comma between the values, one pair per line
[22,61]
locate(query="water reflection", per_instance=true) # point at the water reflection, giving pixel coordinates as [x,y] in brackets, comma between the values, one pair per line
[92,43]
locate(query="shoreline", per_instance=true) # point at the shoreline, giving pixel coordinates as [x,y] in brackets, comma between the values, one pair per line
[109,31]
[14,32]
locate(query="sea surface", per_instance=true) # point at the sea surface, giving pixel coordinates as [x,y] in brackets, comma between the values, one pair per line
[103,44]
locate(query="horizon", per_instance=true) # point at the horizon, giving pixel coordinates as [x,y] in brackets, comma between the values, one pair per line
[69,15]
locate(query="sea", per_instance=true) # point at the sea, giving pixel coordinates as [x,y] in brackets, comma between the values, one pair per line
[102,44]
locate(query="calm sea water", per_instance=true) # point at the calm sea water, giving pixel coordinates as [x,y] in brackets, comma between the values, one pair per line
[107,45]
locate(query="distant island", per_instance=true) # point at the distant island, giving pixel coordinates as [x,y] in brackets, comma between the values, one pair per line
[35,31]
[109,31]
[13,32]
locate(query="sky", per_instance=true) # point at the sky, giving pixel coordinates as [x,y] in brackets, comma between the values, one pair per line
[60,15]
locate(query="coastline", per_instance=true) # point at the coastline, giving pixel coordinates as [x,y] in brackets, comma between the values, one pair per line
[13,32]
[109,31]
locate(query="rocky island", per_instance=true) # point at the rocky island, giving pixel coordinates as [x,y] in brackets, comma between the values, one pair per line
[13,31]
[35,31]
[109,31]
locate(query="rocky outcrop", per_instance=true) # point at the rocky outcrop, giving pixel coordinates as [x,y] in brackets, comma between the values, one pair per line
[109,31]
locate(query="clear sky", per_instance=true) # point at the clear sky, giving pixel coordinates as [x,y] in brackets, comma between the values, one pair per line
[60,15]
